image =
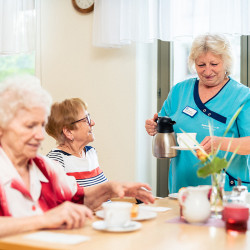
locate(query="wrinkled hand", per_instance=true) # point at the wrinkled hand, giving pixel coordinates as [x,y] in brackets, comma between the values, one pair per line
[67,215]
[151,125]
[139,191]
[209,141]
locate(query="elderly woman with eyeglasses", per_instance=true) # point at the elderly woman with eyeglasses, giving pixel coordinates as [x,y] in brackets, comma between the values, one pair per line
[34,192]
[70,125]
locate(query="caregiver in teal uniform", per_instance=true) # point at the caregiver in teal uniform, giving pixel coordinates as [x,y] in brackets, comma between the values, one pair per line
[213,98]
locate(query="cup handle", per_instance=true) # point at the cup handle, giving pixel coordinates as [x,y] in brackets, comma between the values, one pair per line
[182,195]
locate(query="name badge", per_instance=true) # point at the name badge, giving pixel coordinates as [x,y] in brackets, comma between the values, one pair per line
[189,111]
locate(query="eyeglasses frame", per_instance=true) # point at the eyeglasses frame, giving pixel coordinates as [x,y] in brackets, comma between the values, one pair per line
[86,117]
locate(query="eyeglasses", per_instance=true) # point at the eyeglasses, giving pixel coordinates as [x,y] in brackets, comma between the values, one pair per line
[87,117]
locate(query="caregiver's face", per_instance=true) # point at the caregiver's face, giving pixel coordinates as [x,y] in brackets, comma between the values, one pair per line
[23,135]
[210,69]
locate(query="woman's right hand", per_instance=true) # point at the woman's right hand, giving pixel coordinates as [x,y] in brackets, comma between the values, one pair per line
[151,125]
[68,215]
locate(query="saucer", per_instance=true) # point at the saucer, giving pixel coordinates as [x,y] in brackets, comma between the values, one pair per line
[142,215]
[184,148]
[101,226]
[173,196]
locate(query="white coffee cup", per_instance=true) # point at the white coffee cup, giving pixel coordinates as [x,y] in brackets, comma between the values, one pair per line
[117,214]
[186,140]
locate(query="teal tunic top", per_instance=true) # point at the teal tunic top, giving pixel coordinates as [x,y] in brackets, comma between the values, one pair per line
[217,111]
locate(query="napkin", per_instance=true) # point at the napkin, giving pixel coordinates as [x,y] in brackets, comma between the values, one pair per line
[57,237]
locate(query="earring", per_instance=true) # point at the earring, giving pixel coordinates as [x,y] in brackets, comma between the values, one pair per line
[72,139]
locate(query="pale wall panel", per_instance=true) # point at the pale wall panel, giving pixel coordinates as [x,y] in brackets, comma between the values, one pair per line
[105,78]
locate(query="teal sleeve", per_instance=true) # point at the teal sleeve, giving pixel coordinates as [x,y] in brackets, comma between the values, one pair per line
[243,120]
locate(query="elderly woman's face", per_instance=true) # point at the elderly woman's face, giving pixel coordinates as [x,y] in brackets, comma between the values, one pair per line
[24,134]
[83,133]
[210,69]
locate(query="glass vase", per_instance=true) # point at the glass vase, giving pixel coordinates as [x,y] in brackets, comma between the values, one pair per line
[217,194]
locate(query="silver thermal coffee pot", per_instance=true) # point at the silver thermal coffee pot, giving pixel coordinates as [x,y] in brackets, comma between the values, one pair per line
[164,139]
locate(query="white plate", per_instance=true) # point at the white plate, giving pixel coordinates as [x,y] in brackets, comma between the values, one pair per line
[142,215]
[173,196]
[184,148]
[100,225]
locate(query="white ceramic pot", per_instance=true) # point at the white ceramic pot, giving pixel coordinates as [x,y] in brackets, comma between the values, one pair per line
[195,204]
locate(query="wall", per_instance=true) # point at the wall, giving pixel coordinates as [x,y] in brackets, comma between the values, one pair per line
[105,78]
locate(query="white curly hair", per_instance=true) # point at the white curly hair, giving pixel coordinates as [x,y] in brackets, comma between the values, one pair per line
[215,43]
[20,92]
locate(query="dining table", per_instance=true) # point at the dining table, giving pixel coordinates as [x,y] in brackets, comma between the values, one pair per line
[165,231]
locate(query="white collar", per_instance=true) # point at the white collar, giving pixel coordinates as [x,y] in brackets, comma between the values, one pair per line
[8,171]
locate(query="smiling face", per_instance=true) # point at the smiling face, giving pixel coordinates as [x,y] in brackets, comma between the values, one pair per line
[83,133]
[22,137]
[210,69]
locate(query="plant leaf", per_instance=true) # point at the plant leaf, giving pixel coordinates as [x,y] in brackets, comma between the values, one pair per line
[232,157]
[215,166]
[233,119]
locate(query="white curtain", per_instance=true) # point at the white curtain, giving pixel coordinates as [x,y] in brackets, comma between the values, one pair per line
[119,22]
[17,26]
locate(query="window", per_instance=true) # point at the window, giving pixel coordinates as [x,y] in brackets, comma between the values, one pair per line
[16,64]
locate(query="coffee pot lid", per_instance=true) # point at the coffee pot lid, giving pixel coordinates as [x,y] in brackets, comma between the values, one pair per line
[165,124]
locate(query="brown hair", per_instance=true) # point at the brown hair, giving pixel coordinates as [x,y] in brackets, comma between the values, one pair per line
[62,115]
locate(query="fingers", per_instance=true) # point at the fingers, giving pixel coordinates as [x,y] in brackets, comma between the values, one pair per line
[205,141]
[145,186]
[151,125]
[67,215]
[78,216]
[140,191]
[155,117]
[73,220]
[145,196]
[206,144]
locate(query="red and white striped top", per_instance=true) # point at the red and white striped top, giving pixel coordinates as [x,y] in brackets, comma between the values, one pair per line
[85,169]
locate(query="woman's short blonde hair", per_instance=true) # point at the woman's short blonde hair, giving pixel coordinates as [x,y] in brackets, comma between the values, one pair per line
[62,115]
[215,43]
[21,92]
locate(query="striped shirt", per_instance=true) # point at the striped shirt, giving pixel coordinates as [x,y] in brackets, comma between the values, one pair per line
[85,169]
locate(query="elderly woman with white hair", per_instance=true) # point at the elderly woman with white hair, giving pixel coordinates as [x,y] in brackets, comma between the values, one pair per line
[212,97]
[34,193]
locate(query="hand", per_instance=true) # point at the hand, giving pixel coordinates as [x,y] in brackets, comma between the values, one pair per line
[67,215]
[139,191]
[211,142]
[151,125]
